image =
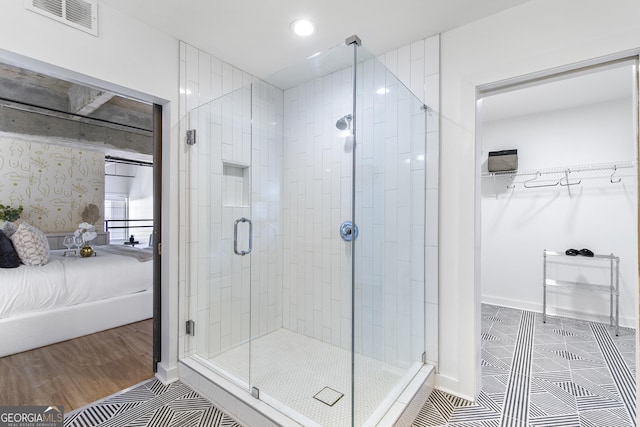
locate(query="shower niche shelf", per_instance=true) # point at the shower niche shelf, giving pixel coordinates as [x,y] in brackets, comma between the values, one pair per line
[236,187]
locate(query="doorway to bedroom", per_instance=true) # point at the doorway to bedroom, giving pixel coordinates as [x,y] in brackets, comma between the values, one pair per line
[78,329]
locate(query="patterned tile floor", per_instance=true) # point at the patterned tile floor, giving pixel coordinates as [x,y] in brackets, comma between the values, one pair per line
[561,373]
[151,404]
[564,372]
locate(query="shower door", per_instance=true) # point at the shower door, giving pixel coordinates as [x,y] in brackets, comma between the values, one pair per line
[235,249]
[220,233]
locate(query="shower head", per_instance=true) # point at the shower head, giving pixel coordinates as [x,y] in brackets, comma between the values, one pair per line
[344,122]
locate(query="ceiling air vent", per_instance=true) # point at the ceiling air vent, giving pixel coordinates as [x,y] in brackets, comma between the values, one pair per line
[80,14]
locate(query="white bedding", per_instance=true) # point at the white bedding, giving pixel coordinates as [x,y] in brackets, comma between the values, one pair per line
[67,281]
[30,288]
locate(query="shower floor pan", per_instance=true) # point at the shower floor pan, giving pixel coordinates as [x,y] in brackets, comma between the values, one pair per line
[304,378]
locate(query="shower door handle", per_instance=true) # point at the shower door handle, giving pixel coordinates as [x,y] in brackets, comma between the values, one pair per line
[235,236]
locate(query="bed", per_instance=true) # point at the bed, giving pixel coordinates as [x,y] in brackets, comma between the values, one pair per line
[72,296]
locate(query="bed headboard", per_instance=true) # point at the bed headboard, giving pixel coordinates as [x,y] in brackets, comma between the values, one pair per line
[56,239]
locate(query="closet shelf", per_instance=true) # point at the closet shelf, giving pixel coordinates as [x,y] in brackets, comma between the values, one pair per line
[603,289]
[595,167]
[565,176]
[595,256]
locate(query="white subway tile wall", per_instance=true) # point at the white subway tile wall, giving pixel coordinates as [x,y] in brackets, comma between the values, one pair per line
[214,285]
[420,61]
[317,198]
[299,178]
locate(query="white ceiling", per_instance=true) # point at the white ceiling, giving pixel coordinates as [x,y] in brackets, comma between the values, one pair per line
[255,36]
[597,85]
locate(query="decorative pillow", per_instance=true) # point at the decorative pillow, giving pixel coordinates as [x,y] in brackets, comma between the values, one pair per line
[8,256]
[9,228]
[31,245]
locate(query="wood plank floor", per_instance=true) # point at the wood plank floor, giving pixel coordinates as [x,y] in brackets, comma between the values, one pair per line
[77,372]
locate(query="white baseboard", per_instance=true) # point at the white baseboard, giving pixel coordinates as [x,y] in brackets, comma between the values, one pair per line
[167,374]
[511,303]
[556,311]
[451,385]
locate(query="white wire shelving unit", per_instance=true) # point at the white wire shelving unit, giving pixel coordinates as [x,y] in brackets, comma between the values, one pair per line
[564,176]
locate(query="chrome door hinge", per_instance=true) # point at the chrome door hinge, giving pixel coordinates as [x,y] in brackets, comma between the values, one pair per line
[191,137]
[190,328]
[255,392]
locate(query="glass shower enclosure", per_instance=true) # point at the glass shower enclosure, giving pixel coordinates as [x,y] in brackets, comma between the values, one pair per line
[306,199]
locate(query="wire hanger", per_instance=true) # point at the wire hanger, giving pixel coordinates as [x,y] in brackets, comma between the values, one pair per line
[615,168]
[566,178]
[534,179]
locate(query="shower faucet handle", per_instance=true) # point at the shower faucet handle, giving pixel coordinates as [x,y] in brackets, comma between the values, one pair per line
[348,231]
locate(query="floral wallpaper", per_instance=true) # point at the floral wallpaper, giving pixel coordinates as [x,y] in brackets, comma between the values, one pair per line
[54,183]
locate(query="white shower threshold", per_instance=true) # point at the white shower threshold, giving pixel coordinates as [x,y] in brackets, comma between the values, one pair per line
[286,398]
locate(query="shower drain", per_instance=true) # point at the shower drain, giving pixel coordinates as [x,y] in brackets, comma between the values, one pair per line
[328,396]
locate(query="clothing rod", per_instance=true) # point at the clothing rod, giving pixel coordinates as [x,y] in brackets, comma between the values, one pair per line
[556,170]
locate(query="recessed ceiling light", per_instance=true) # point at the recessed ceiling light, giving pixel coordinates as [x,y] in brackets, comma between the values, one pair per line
[382,91]
[303,27]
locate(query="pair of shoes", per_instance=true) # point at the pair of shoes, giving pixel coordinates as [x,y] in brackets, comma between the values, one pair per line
[586,252]
[575,252]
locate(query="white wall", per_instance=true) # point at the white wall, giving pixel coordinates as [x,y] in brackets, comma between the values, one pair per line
[130,58]
[518,223]
[535,36]
[141,193]
[126,53]
[134,181]
[141,202]
[116,185]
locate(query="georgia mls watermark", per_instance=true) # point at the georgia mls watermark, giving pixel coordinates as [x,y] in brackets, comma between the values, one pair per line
[31,416]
